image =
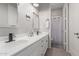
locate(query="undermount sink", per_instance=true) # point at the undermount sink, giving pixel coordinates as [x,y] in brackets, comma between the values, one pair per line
[4,47]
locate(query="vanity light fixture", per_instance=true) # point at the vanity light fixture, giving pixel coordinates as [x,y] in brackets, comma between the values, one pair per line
[27,17]
[35,4]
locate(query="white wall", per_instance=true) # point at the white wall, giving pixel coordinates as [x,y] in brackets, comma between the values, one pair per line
[74,28]
[23,25]
[44,14]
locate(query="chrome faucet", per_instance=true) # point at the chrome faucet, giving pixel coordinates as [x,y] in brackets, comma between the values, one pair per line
[10,37]
[31,34]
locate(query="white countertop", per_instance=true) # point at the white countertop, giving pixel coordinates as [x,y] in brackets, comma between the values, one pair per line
[8,49]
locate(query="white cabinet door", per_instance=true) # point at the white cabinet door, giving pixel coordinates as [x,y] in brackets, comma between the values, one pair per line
[44,44]
[25,52]
[36,49]
[3,14]
[8,14]
[32,50]
[12,14]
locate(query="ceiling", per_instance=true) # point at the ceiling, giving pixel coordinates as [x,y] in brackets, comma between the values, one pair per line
[53,5]
[56,5]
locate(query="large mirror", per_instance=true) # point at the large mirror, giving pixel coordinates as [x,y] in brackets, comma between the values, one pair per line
[35,22]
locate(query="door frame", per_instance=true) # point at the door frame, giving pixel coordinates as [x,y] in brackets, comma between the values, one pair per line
[66,27]
[51,24]
[66,45]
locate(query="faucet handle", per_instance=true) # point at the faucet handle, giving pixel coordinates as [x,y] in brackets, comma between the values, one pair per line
[14,35]
[76,33]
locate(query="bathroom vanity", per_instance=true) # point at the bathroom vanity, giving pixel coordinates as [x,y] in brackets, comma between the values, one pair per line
[26,46]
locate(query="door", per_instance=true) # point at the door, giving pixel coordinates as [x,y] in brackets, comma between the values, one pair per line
[74,28]
[57,31]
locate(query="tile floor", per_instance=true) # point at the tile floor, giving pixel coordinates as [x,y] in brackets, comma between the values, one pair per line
[56,52]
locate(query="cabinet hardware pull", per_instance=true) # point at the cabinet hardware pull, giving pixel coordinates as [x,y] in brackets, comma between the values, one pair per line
[76,33]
